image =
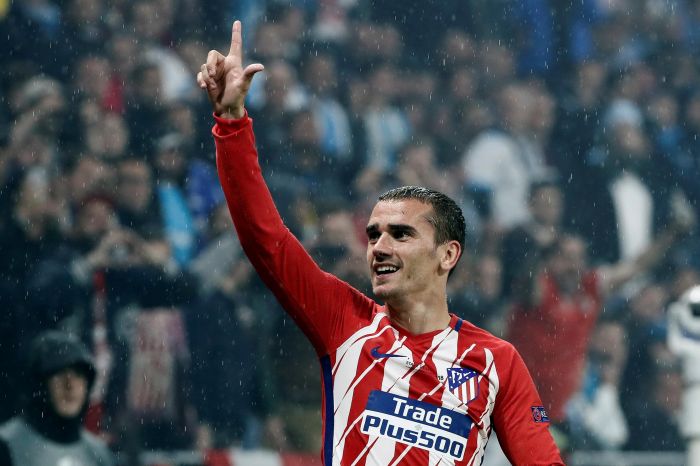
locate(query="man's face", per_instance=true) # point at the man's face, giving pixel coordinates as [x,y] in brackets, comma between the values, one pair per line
[67,392]
[135,185]
[569,264]
[94,220]
[403,259]
[546,205]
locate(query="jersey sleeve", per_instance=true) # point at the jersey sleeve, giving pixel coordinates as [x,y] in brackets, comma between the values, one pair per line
[325,307]
[520,420]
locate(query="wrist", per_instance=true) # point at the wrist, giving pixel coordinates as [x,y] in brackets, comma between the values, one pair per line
[232,113]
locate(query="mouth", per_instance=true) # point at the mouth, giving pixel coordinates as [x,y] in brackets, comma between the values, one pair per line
[385,270]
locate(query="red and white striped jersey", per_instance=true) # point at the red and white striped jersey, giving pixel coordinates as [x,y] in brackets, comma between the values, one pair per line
[390,397]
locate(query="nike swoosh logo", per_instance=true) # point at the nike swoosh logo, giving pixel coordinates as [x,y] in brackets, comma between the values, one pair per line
[377,355]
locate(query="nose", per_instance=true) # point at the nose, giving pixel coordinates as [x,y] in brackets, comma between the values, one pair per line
[383,247]
[70,378]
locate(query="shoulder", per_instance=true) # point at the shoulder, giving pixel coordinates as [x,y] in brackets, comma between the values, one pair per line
[489,142]
[12,428]
[98,448]
[485,339]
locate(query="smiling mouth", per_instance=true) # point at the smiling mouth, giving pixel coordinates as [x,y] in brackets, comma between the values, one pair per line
[385,270]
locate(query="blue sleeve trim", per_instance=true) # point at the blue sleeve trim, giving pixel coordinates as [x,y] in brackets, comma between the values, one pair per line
[328,392]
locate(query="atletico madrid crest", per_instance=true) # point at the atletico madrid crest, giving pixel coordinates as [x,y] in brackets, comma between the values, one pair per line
[463,383]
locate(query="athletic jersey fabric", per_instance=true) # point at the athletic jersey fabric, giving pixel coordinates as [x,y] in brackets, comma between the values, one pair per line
[390,397]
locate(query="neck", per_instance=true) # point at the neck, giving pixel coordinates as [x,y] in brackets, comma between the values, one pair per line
[52,426]
[420,318]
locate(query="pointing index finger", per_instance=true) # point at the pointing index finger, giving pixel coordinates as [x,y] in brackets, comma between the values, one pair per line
[236,42]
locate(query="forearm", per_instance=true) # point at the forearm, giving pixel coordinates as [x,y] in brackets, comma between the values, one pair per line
[252,209]
[303,289]
[617,275]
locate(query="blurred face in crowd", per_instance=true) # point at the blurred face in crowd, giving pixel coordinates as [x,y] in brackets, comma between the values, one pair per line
[68,390]
[630,146]
[338,228]
[93,76]
[609,343]
[135,185]
[89,177]
[182,119]
[34,207]
[590,81]
[383,84]
[150,20]
[546,205]
[488,275]
[663,110]
[279,81]
[84,12]
[477,116]
[497,63]
[191,51]
[463,84]
[94,220]
[321,75]
[269,43]
[107,137]
[649,303]
[123,53]
[516,104]
[568,263]
[458,48]
[146,83]
[171,162]
[543,114]
[304,137]
[34,152]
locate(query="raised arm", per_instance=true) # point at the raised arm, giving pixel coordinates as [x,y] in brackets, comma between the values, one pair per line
[316,300]
[614,276]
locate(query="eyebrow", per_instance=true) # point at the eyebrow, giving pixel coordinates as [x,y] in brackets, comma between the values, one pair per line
[393,228]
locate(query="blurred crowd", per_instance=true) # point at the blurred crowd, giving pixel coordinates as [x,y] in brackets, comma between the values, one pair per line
[567,131]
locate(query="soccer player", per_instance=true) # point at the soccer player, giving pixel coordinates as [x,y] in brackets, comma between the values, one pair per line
[404,382]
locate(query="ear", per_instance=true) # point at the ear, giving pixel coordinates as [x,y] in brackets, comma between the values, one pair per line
[450,254]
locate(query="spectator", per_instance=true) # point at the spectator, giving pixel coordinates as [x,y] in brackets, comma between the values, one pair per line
[645,322]
[657,427]
[623,177]
[61,373]
[385,124]
[594,415]
[136,204]
[559,303]
[330,118]
[576,128]
[523,245]
[477,296]
[505,161]
[186,195]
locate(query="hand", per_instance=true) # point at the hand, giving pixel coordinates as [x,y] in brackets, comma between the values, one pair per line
[683,219]
[225,79]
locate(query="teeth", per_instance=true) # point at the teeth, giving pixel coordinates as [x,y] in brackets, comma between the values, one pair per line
[386,268]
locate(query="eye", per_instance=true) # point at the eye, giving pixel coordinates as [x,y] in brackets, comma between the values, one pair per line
[372,236]
[401,234]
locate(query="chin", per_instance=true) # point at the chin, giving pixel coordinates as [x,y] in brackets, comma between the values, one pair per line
[381,292]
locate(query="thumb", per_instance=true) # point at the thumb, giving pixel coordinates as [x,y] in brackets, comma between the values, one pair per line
[250,71]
